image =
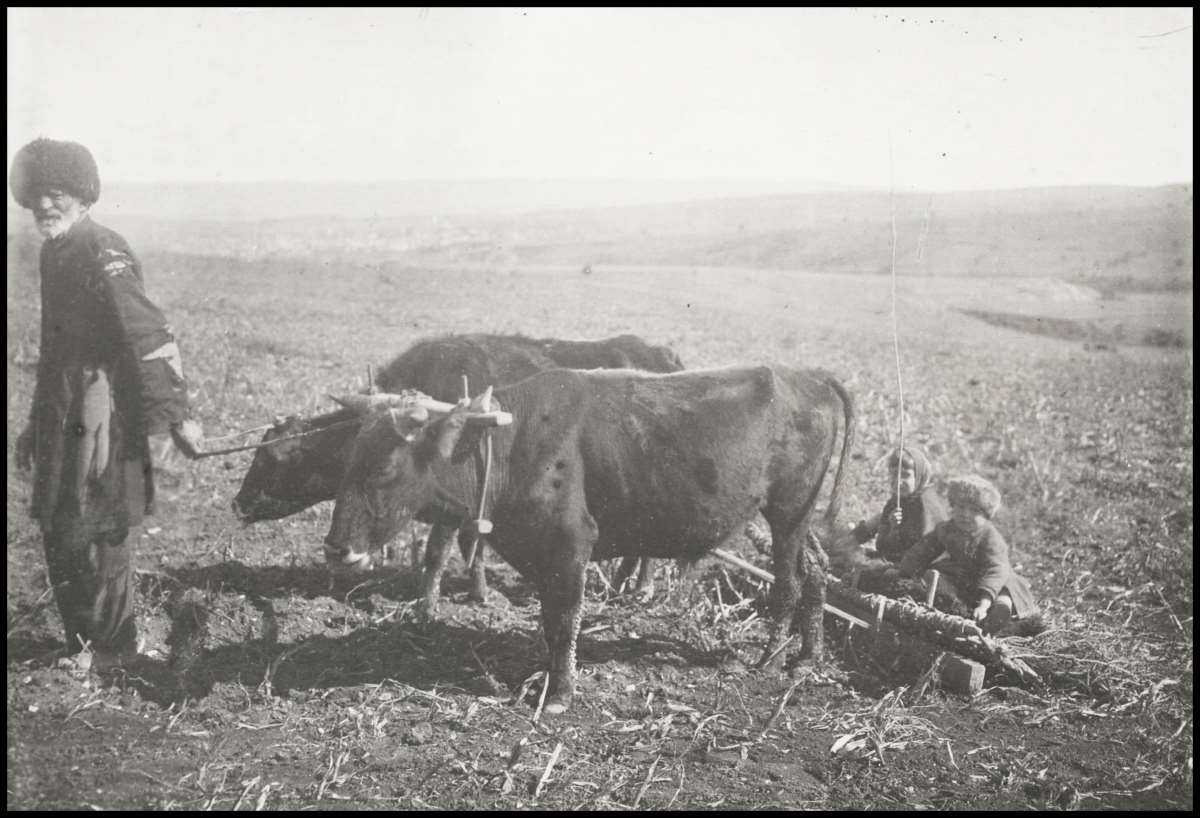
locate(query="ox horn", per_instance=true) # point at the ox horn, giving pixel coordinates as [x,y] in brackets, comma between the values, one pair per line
[483,402]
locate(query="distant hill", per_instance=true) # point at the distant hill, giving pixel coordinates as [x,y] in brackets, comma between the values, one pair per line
[1142,234]
[248,202]
[1115,237]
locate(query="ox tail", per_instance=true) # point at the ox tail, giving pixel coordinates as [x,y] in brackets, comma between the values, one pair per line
[835,496]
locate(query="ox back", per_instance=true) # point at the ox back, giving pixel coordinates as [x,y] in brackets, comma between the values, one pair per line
[600,464]
[293,475]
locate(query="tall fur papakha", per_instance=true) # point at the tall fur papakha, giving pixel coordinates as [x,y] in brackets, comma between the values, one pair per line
[50,163]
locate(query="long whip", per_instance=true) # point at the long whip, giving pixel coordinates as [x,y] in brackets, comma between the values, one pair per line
[895,321]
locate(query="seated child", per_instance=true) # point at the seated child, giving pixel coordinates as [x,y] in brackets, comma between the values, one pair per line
[975,565]
[897,528]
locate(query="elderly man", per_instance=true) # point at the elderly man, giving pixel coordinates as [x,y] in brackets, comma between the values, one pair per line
[108,376]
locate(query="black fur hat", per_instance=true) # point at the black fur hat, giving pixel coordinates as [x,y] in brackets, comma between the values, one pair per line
[51,163]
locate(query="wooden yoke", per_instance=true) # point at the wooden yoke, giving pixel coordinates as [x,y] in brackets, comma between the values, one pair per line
[365,403]
[368,403]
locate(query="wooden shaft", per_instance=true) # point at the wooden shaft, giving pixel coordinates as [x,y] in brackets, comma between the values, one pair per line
[769,577]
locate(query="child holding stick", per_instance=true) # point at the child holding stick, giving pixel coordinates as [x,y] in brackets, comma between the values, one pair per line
[903,521]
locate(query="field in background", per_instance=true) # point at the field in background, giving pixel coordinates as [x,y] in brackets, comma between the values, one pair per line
[314,691]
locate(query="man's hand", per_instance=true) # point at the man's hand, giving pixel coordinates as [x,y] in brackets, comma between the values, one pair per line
[25,448]
[897,516]
[981,610]
[188,436]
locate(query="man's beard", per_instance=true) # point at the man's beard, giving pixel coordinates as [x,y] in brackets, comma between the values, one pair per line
[54,225]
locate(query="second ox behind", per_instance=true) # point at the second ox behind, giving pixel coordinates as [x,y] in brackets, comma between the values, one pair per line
[292,475]
[601,464]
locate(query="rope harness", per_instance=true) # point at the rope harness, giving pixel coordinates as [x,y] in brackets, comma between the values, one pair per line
[482,525]
[260,445]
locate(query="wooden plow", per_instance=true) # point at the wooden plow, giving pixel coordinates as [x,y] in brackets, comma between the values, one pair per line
[972,649]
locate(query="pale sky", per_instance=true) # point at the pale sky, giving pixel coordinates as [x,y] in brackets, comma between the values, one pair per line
[970,98]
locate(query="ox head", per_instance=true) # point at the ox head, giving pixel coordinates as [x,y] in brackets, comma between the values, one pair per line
[390,475]
[293,474]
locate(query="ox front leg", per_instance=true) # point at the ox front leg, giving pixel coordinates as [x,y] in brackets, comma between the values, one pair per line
[562,607]
[466,536]
[643,589]
[437,555]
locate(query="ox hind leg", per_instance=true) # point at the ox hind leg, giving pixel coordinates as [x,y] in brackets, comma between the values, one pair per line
[797,596]
[562,576]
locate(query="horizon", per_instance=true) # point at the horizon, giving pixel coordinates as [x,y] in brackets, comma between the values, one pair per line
[809,186]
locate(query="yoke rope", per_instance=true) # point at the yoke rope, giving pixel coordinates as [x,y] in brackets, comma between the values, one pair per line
[202,455]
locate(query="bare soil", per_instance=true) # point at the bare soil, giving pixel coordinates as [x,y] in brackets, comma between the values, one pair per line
[305,689]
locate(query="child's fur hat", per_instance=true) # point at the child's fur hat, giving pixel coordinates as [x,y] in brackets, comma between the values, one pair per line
[974,491]
[52,163]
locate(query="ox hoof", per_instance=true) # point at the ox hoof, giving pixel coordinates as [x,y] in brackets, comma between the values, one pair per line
[555,708]
[354,563]
[426,610]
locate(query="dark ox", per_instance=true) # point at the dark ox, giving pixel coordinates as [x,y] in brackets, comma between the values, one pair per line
[603,464]
[292,475]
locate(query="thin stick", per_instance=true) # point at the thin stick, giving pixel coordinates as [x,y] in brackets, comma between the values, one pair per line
[931,592]
[646,784]
[783,700]
[1174,618]
[549,767]
[537,714]
[895,320]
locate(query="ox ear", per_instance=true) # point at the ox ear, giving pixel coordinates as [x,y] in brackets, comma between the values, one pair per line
[442,434]
[449,430]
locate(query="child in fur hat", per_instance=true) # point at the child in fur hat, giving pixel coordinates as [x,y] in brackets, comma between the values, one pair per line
[975,567]
[902,522]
